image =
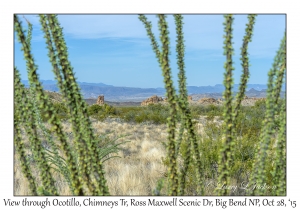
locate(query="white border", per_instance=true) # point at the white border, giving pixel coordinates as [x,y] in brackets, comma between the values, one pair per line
[151,6]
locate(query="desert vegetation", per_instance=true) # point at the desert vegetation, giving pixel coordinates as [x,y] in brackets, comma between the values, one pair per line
[65,147]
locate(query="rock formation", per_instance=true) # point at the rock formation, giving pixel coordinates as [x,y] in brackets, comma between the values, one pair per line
[190,98]
[250,101]
[152,100]
[208,101]
[100,100]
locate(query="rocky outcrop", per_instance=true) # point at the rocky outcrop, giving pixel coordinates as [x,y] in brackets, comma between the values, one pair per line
[100,100]
[152,100]
[208,101]
[190,98]
[250,101]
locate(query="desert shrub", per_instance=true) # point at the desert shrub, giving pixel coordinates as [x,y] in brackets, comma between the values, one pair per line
[210,115]
[212,110]
[106,109]
[249,122]
[157,108]
[261,104]
[94,109]
[109,110]
[101,112]
[129,116]
[153,113]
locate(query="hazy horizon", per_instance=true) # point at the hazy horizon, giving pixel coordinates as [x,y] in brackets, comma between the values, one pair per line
[54,81]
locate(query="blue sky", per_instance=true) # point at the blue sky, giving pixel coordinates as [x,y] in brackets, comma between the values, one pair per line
[115,49]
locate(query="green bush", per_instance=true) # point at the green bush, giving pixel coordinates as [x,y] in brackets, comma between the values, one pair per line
[202,110]
[153,113]
[101,112]
[94,109]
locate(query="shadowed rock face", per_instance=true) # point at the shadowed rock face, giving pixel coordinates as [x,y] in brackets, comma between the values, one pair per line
[152,100]
[100,100]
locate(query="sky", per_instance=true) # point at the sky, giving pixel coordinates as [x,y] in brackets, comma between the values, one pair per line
[115,49]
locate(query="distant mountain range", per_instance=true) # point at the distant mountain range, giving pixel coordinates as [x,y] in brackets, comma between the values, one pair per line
[52,82]
[113,93]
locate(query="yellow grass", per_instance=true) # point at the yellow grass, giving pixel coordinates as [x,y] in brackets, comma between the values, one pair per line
[139,167]
[135,173]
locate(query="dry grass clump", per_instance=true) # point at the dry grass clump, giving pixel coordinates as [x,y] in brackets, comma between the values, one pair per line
[135,172]
[140,165]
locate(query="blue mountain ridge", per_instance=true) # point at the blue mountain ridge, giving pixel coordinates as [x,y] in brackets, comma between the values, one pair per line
[94,89]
